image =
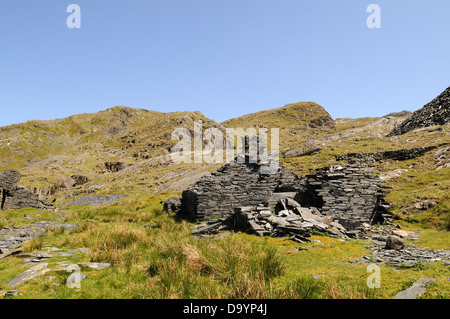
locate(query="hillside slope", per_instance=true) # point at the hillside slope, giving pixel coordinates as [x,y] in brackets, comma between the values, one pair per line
[48,152]
[299,123]
[135,142]
[125,150]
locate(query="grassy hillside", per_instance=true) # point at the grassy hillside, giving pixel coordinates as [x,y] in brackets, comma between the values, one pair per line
[48,152]
[299,123]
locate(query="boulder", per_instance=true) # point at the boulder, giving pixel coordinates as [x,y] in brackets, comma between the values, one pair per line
[400,233]
[395,242]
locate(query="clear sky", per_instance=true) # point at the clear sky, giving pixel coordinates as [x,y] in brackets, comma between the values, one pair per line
[225,58]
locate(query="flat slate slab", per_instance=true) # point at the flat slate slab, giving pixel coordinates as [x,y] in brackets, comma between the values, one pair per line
[38,254]
[29,274]
[96,266]
[416,290]
[11,252]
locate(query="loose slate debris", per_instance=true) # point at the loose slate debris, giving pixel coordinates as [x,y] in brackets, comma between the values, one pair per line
[286,218]
[73,281]
[211,228]
[10,252]
[437,112]
[13,293]
[408,257]
[37,254]
[96,266]
[12,237]
[35,257]
[84,251]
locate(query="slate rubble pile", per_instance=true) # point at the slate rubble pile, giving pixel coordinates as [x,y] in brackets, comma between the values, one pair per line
[14,236]
[212,227]
[437,112]
[93,200]
[389,246]
[407,257]
[286,219]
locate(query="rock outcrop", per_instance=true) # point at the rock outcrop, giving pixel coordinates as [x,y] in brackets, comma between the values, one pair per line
[9,179]
[13,196]
[115,166]
[437,112]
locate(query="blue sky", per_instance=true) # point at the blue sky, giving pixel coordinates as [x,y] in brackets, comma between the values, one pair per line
[225,58]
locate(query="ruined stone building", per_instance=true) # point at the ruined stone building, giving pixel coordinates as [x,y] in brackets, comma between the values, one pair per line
[351,195]
[235,185]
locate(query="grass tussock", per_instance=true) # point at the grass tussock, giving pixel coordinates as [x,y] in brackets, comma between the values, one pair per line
[230,268]
[115,243]
[195,261]
[32,245]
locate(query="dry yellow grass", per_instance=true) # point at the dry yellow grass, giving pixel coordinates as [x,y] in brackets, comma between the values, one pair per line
[195,261]
[32,245]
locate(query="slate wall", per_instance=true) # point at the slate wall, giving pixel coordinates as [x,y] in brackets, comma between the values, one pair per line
[234,185]
[350,194]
